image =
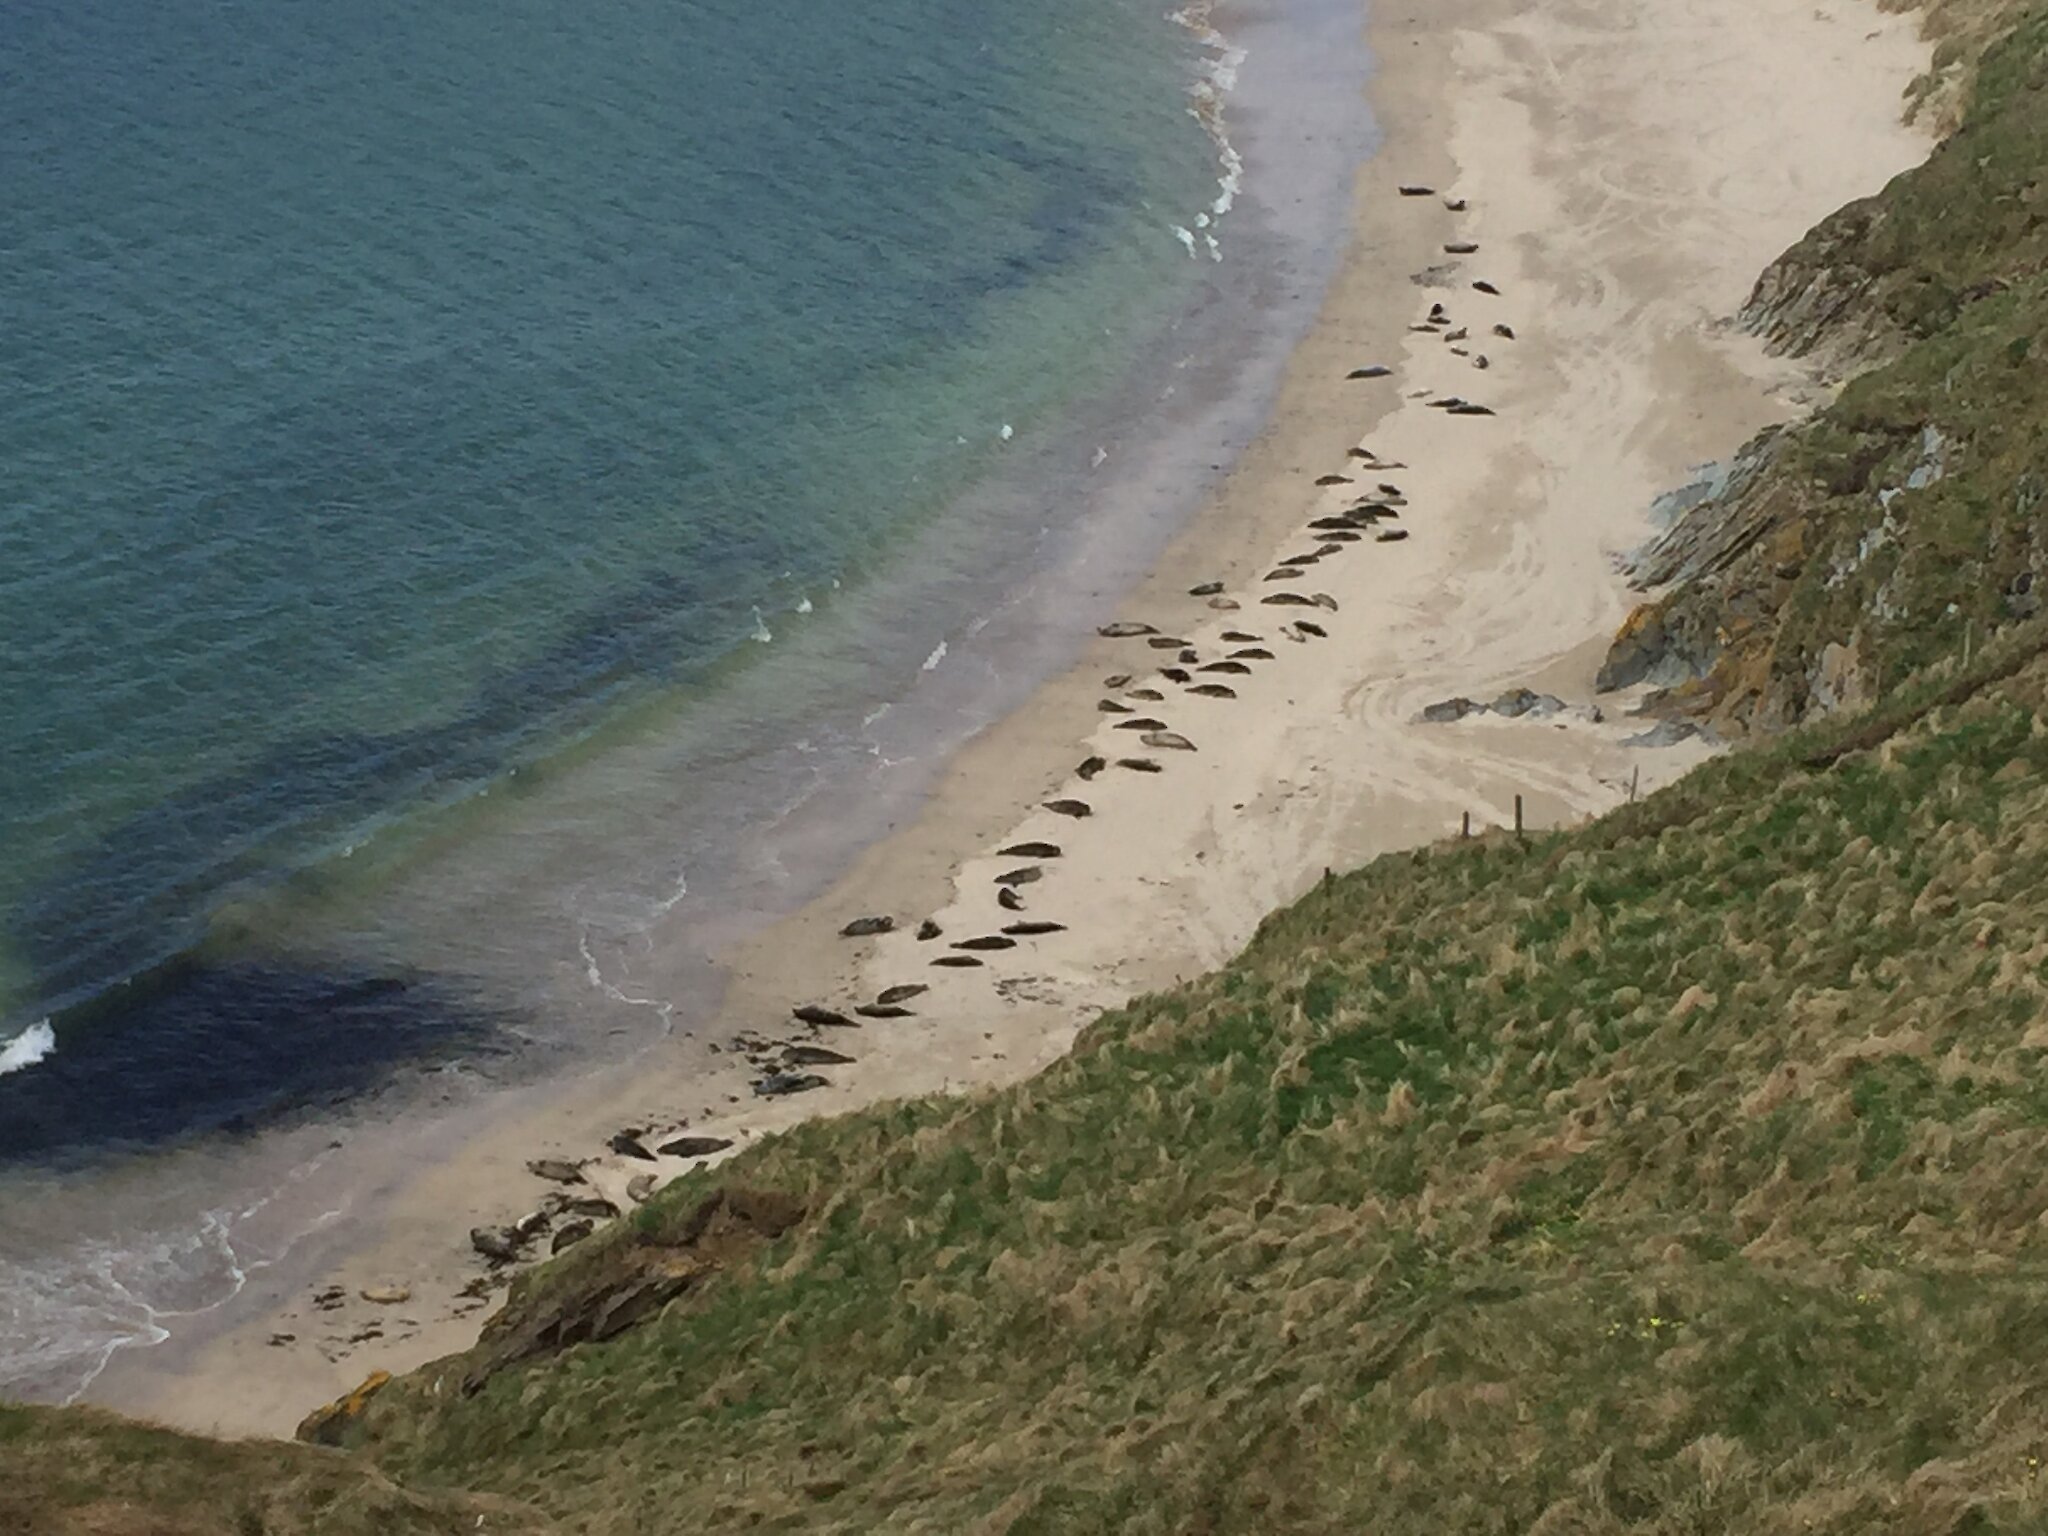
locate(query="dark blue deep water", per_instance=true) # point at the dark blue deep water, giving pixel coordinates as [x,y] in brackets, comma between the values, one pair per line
[392,393]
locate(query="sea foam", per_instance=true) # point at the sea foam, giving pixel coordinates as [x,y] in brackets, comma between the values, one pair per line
[27,1048]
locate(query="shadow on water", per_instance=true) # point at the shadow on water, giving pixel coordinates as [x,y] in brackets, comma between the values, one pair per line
[199,1048]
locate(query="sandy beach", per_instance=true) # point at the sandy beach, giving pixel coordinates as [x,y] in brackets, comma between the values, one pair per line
[1624,169]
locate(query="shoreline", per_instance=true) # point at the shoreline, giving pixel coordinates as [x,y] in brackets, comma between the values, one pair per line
[1616,382]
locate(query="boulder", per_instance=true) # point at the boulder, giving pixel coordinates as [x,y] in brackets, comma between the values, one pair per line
[326,1426]
[385,1295]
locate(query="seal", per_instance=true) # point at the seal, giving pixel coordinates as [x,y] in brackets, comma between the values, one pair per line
[1288,600]
[1009,900]
[1461,248]
[862,927]
[1165,642]
[1088,767]
[1348,535]
[1029,930]
[1189,656]
[1308,559]
[986,941]
[1283,573]
[1324,600]
[1418,191]
[1312,629]
[1206,589]
[1138,764]
[1324,551]
[1390,536]
[1456,204]
[814,1013]
[1029,851]
[1459,334]
[1171,741]
[1149,695]
[1333,479]
[1173,674]
[1239,637]
[1213,691]
[1224,604]
[1111,707]
[1481,362]
[1251,654]
[884,1011]
[901,994]
[1504,332]
[957,960]
[1116,679]
[928,930]
[1074,808]
[1485,287]
[1141,723]
[1125,629]
[1370,371]
[1469,409]
[1028,875]
[1230,668]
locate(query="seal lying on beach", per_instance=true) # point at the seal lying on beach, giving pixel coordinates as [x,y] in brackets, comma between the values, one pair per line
[1418,191]
[1504,332]
[1165,642]
[956,960]
[813,1013]
[1462,248]
[1138,764]
[1485,287]
[1029,851]
[1171,741]
[1088,768]
[1125,629]
[863,927]
[1173,674]
[1116,679]
[1390,536]
[1028,875]
[1283,573]
[1111,707]
[1206,589]
[901,994]
[1252,653]
[987,941]
[1288,600]
[1371,371]
[928,930]
[1029,930]
[1009,900]
[1469,409]
[1141,723]
[884,1011]
[1312,629]
[1076,808]
[1236,668]
[1149,695]
[1213,691]
[1333,479]
[1239,637]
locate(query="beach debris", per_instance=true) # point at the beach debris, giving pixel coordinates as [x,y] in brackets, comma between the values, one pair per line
[1087,769]
[1125,629]
[570,1234]
[928,930]
[627,1144]
[1076,808]
[864,927]
[1456,204]
[1032,930]
[1371,371]
[640,1187]
[1171,741]
[814,1056]
[1205,589]
[1025,876]
[332,1299]
[1141,764]
[1418,191]
[500,1245]
[816,1013]
[560,1170]
[694,1146]
[904,992]
[780,1084]
[956,960]
[279,1340]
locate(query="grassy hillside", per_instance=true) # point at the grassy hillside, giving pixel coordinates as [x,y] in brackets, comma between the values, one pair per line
[1687,1172]
[77,1472]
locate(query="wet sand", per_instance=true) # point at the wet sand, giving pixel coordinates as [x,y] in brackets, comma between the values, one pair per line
[1627,166]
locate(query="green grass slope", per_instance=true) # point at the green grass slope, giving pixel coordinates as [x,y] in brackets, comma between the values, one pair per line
[1686,1172]
[79,1472]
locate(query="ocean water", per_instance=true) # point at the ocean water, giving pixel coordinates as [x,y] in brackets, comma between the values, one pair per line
[496,504]
[395,398]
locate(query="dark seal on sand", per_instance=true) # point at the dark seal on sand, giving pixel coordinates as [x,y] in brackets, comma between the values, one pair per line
[862,927]
[1030,851]
[1070,808]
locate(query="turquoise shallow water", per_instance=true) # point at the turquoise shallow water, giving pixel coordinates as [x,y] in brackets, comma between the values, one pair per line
[391,395]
